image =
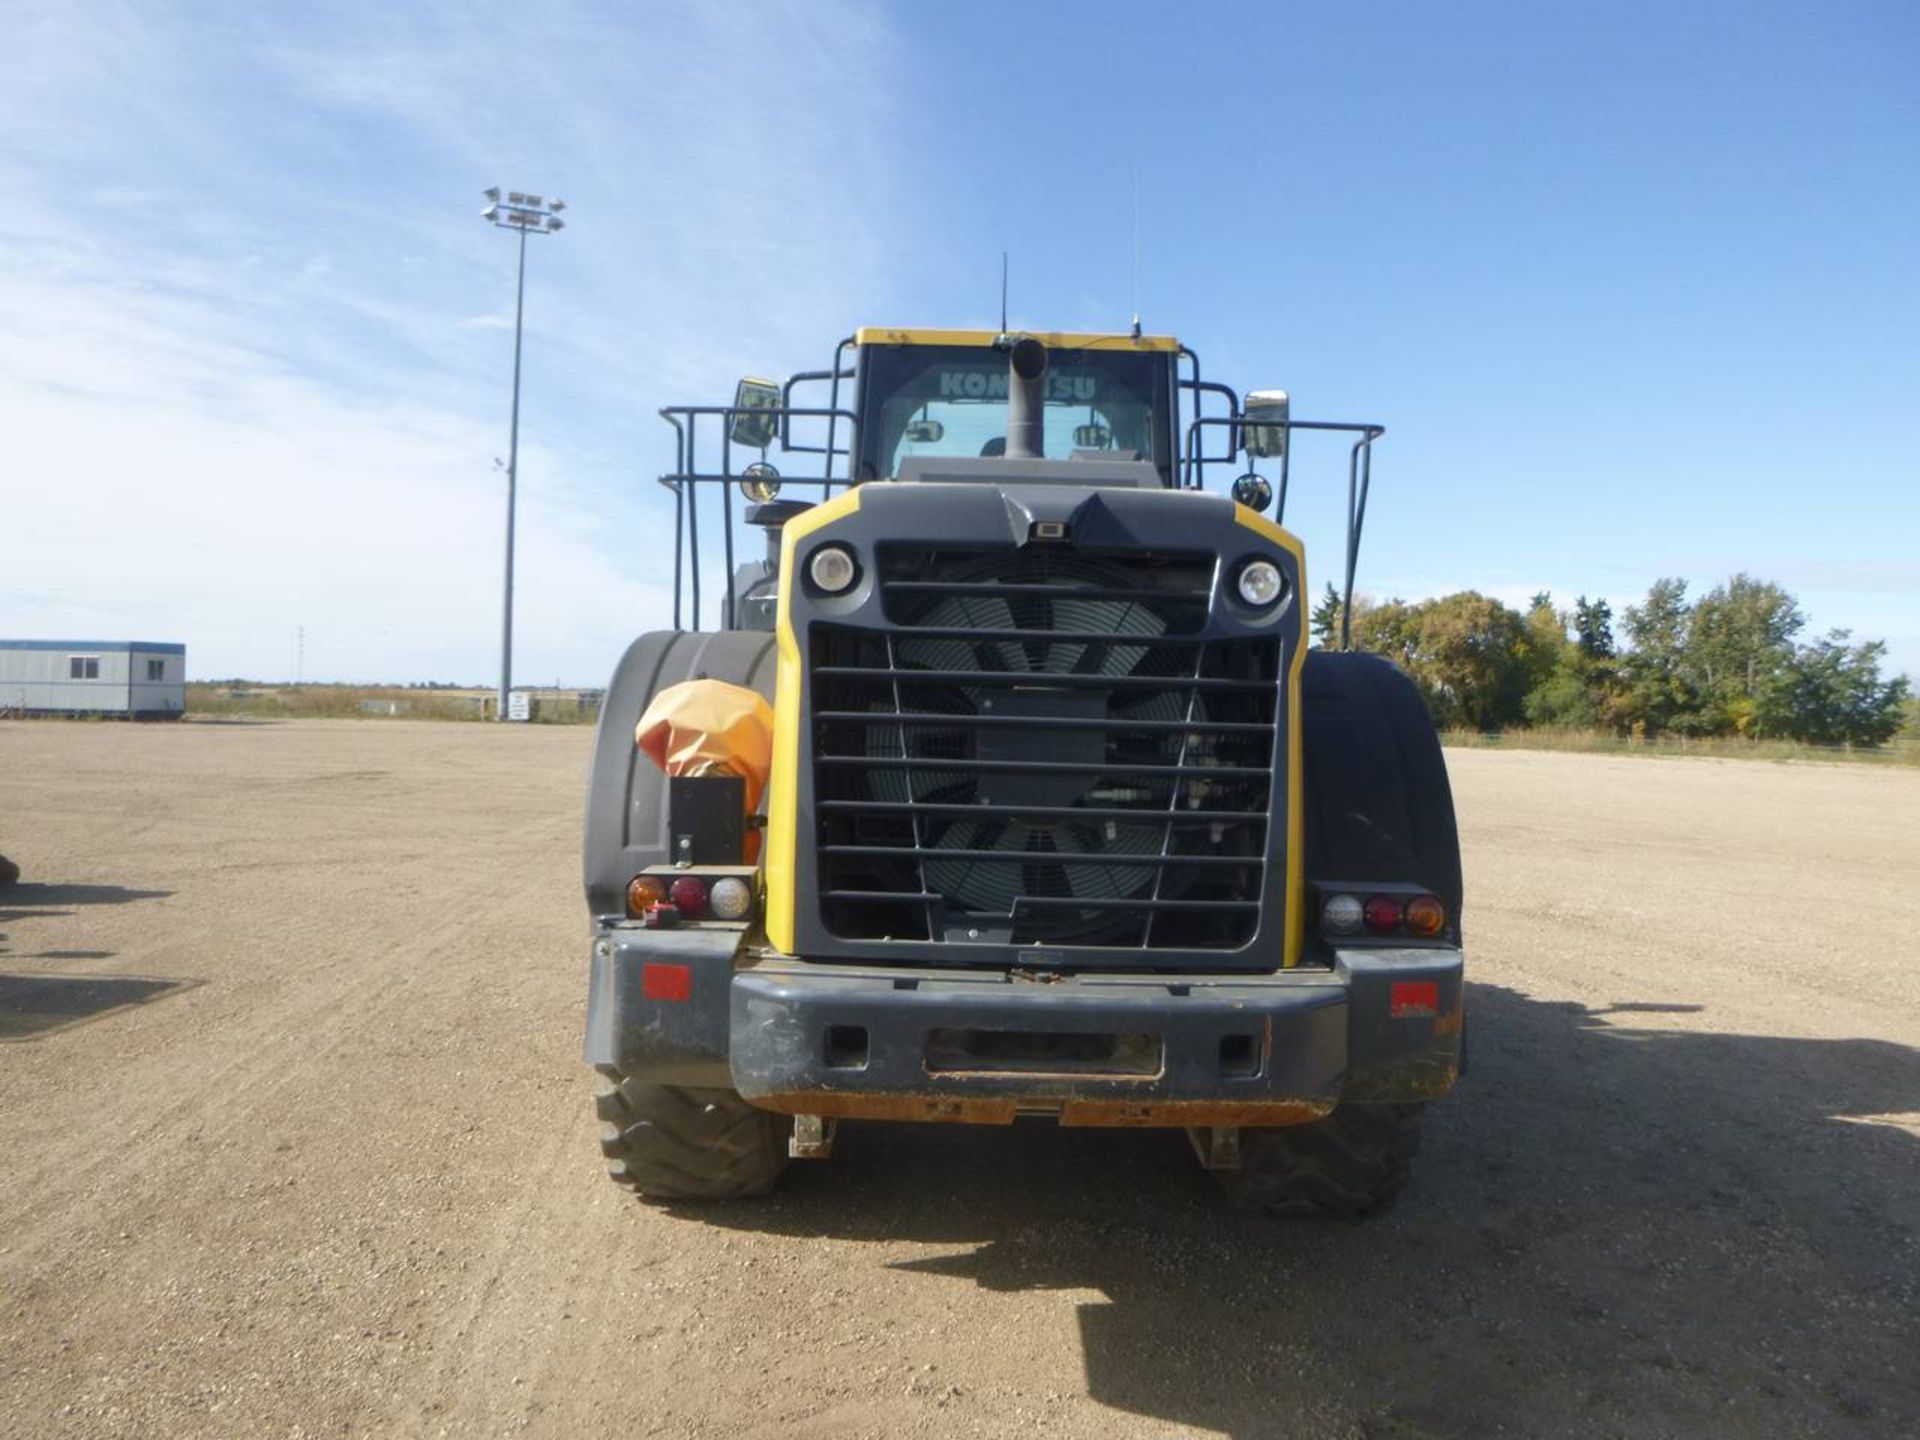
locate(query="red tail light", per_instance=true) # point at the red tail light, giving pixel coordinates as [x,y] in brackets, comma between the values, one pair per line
[1383,914]
[689,895]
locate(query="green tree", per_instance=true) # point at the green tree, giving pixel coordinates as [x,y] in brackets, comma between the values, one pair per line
[1565,699]
[1325,619]
[1739,640]
[1660,694]
[1467,653]
[1831,693]
[1593,622]
[1545,642]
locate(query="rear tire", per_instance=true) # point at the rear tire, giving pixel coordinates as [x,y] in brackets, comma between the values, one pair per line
[669,1143]
[1352,1163]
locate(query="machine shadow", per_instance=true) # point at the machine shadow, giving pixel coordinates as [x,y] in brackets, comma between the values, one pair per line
[1611,1229]
[35,1005]
[38,901]
[29,898]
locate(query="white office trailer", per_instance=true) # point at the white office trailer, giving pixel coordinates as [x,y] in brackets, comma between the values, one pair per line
[125,679]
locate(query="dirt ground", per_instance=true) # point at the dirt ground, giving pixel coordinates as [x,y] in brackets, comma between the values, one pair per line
[295,1140]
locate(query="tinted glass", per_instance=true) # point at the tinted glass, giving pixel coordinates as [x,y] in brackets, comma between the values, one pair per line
[952,400]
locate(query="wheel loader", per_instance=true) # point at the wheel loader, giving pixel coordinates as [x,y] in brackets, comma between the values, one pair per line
[1003,782]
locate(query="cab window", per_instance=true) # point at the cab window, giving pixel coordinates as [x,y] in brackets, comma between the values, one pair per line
[951,400]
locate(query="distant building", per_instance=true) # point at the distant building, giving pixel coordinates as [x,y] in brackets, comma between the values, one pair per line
[130,679]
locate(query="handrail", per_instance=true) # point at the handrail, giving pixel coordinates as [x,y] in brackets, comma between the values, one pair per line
[686,478]
[833,377]
[1359,483]
[1190,464]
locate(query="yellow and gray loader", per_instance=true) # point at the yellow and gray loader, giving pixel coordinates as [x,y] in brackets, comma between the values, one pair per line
[1008,786]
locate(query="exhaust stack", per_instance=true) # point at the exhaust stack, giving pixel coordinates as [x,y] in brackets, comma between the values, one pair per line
[1026,399]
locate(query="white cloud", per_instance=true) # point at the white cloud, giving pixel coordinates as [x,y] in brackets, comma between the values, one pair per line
[253,365]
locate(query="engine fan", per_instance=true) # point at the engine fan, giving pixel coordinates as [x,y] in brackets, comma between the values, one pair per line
[1041,851]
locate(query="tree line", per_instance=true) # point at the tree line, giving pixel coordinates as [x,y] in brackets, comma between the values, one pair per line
[1731,662]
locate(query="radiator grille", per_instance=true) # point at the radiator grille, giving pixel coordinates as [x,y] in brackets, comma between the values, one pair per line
[1044,747]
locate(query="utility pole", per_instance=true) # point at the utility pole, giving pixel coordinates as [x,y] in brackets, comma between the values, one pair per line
[529,215]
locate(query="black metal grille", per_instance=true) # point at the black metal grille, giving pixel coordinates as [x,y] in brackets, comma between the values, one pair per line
[1045,748]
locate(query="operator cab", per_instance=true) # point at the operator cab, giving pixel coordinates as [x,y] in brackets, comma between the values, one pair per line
[943,394]
[948,406]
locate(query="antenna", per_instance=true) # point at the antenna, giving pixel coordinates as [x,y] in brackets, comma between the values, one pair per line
[1003,292]
[1136,251]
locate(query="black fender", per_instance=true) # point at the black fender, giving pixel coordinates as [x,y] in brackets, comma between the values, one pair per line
[1378,805]
[626,822]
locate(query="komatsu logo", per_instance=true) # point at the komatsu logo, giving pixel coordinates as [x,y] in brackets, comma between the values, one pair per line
[992,385]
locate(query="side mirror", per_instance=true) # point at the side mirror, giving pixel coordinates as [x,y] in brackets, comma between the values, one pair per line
[753,423]
[1092,437]
[925,432]
[1265,432]
[1253,491]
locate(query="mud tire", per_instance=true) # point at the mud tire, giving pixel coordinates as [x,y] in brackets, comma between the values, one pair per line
[668,1143]
[1352,1163]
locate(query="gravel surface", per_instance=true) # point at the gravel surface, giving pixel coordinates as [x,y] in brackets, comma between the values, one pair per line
[295,1140]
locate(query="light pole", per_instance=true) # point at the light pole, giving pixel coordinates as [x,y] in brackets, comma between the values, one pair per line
[529,215]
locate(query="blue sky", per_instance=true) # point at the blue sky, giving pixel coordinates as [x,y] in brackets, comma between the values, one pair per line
[1633,288]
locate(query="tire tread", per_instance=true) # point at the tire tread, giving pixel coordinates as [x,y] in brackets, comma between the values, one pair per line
[669,1143]
[1351,1163]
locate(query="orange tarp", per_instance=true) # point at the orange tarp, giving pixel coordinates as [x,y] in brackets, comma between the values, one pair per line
[708,727]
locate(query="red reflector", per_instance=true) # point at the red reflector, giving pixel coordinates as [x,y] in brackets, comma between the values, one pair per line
[674,982]
[1413,997]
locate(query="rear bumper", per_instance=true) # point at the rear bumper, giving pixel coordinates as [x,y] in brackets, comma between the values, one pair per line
[694,1007]
[1271,1050]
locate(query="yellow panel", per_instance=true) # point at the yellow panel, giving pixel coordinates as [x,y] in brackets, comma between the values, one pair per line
[783,799]
[1053,339]
[1296,759]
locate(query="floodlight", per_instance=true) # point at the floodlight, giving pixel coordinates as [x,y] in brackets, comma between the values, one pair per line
[527,215]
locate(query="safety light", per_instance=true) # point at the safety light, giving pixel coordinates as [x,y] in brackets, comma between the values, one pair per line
[1341,915]
[689,896]
[1383,914]
[643,893]
[831,569]
[730,899]
[1260,582]
[1426,916]
[760,482]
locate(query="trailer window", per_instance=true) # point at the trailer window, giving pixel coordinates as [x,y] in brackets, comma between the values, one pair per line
[83,667]
[156,669]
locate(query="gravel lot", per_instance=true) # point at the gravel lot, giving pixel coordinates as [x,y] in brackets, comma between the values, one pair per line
[329,1169]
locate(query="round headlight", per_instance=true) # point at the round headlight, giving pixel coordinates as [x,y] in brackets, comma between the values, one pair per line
[1341,915]
[831,569]
[760,482]
[730,899]
[1260,582]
